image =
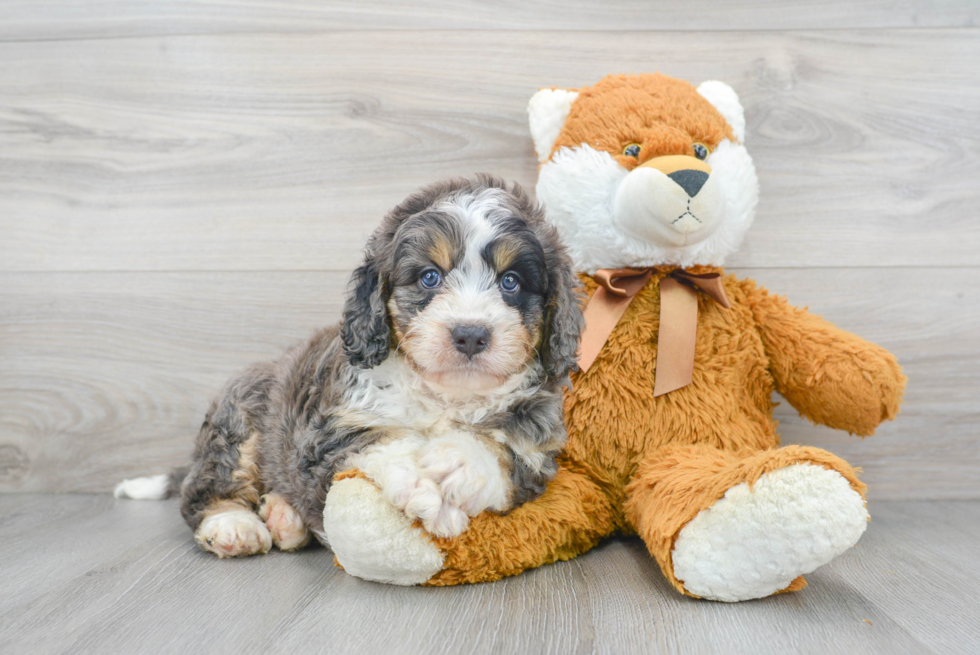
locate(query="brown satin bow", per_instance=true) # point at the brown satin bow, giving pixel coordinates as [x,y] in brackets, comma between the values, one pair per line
[678,318]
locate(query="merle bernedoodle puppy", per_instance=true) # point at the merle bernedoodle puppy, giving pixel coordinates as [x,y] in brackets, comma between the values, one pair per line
[442,384]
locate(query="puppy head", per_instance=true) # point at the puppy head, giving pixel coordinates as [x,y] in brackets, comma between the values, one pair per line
[466,280]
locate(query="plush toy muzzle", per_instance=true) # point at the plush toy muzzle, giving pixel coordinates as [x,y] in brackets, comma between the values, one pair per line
[672,200]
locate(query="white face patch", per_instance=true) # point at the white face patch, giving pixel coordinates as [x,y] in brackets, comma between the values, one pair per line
[470,297]
[611,217]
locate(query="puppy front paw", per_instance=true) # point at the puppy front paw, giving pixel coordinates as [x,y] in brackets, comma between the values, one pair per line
[441,482]
[465,479]
[410,489]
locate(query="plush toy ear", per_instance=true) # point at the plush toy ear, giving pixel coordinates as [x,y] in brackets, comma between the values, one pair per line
[546,114]
[725,100]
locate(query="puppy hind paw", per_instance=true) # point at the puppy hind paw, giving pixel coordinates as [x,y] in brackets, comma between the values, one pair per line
[283,522]
[233,533]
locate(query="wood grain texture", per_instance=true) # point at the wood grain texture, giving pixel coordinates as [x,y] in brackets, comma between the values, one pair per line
[97,575]
[22,20]
[281,152]
[108,375]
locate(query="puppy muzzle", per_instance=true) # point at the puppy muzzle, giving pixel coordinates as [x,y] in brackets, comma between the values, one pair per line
[669,201]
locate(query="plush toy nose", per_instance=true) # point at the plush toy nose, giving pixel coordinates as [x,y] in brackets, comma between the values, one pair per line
[470,339]
[690,173]
[690,181]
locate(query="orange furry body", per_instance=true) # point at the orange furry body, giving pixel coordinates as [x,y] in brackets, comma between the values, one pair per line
[639,464]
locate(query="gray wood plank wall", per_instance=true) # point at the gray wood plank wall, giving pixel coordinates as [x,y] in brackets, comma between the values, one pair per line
[184,187]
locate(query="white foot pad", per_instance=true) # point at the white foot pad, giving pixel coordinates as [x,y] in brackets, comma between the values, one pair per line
[374,540]
[234,533]
[751,544]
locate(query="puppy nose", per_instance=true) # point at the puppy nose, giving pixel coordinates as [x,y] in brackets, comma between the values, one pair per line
[470,339]
[689,180]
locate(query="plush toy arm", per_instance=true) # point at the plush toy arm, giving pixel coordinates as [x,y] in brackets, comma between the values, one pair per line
[831,376]
[371,539]
[570,518]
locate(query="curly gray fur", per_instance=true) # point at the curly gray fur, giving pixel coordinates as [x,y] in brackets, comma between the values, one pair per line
[295,407]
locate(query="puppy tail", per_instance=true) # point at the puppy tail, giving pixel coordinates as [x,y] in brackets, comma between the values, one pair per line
[153,487]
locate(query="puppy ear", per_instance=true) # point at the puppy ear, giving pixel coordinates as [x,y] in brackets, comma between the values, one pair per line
[564,320]
[364,329]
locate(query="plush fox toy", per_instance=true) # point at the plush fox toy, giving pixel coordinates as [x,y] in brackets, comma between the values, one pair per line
[670,419]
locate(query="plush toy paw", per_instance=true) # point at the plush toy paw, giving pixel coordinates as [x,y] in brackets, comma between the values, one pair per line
[754,542]
[374,540]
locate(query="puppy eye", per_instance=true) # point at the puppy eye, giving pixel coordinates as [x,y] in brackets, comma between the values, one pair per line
[509,283]
[701,151]
[430,278]
[632,150]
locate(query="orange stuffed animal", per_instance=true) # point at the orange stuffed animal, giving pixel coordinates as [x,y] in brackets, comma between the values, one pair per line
[648,173]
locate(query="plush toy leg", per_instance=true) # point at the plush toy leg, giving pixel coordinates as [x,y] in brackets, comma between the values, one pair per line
[374,541]
[733,527]
[568,519]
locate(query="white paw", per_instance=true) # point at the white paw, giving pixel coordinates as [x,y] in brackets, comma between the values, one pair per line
[373,540]
[441,482]
[233,533]
[751,544]
[284,523]
[406,487]
[467,479]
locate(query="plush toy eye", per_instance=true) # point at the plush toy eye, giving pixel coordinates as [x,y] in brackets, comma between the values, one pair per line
[430,278]
[509,283]
[632,150]
[701,151]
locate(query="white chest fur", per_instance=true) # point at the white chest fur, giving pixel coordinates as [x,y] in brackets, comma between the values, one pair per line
[393,394]
[437,466]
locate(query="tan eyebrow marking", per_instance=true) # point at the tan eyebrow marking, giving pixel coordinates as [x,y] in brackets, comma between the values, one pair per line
[441,252]
[504,254]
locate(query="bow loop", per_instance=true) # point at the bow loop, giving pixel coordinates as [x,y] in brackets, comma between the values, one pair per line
[632,280]
[709,283]
[678,318]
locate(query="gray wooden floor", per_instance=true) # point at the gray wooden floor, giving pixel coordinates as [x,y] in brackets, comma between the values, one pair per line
[89,574]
